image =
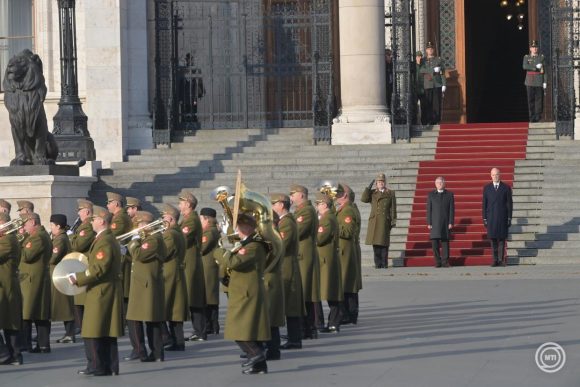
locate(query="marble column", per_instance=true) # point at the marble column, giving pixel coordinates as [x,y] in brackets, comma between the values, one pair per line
[363,117]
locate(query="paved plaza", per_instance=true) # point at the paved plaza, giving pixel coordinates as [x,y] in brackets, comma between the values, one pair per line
[465,326]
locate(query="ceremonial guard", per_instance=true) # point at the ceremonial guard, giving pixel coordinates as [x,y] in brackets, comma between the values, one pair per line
[330,272]
[81,240]
[307,222]
[535,81]
[209,242]
[146,297]
[434,85]
[35,283]
[103,322]
[195,279]
[176,307]
[62,306]
[247,319]
[382,219]
[293,299]
[11,306]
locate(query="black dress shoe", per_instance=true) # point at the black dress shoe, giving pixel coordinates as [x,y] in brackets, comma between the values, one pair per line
[273,355]
[40,350]
[151,359]
[13,360]
[252,361]
[331,329]
[495,264]
[291,345]
[243,355]
[102,373]
[132,356]
[85,372]
[66,340]
[175,347]
[77,331]
[258,369]
[195,337]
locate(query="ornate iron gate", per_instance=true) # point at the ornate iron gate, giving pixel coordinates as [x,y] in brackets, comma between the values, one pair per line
[241,64]
[402,43]
[564,32]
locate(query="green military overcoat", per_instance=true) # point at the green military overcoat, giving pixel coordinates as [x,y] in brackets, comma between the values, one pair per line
[209,242]
[176,308]
[247,316]
[330,272]
[194,277]
[147,294]
[81,242]
[103,315]
[307,222]
[293,299]
[10,296]
[347,248]
[358,223]
[121,224]
[62,306]
[274,287]
[383,215]
[34,275]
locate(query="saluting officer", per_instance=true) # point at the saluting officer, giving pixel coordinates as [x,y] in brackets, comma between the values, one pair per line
[176,307]
[209,242]
[194,276]
[62,306]
[293,299]
[434,84]
[535,81]
[11,308]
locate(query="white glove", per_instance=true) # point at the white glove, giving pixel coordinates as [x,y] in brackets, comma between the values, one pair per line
[436,69]
[443,88]
[69,232]
[123,250]
[539,66]
[135,237]
[544,85]
[72,278]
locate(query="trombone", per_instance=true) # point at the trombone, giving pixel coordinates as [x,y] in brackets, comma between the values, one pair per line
[154,227]
[13,226]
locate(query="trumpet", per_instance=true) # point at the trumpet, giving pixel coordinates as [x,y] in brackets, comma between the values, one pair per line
[154,227]
[13,226]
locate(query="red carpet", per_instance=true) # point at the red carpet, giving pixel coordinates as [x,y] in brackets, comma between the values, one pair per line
[465,155]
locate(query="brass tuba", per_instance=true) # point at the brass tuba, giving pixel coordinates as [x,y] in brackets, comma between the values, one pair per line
[328,187]
[221,194]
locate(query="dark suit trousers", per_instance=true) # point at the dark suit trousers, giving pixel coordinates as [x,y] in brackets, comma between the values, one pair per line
[79,311]
[273,345]
[102,354]
[310,318]
[319,315]
[335,314]
[198,321]
[498,247]
[440,260]
[433,99]
[535,102]
[294,328]
[212,318]
[351,307]
[381,256]
[176,333]
[137,338]
[43,330]
[12,344]
[252,348]
[154,339]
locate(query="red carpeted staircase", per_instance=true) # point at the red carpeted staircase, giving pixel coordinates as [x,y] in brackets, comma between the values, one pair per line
[465,155]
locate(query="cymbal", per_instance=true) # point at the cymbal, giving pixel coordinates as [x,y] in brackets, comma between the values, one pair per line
[71,263]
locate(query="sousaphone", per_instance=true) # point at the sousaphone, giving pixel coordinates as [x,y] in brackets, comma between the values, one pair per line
[71,263]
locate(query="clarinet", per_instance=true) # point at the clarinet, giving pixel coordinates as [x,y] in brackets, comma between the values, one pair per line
[76,225]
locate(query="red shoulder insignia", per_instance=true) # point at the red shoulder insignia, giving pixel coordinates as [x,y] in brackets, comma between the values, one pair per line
[242,251]
[55,250]
[203,239]
[348,219]
[185,230]
[114,226]
[100,255]
[28,245]
[282,234]
[300,219]
[320,229]
[82,233]
[145,246]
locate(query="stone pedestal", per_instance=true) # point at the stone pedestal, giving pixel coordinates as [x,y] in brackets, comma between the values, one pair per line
[50,194]
[363,117]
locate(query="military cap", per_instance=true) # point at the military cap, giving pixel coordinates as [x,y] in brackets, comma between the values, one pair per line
[323,198]
[114,196]
[534,43]
[381,177]
[132,202]
[84,203]
[247,219]
[298,188]
[143,217]
[188,197]
[101,212]
[206,211]
[430,45]
[419,53]
[58,219]
[276,197]
[25,204]
[342,189]
[4,217]
[171,211]
[5,204]
[30,215]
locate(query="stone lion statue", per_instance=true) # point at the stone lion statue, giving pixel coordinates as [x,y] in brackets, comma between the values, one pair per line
[25,90]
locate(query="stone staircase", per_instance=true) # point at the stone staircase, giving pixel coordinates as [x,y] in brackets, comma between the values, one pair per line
[270,160]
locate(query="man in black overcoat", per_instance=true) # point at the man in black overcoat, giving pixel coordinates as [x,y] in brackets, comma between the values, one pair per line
[440,220]
[497,214]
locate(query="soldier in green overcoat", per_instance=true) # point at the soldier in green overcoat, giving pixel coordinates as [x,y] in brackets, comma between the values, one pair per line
[131,207]
[535,82]
[293,299]
[62,306]
[120,225]
[330,272]
[195,279]
[382,218]
[80,241]
[103,322]
[176,308]
[209,242]
[10,296]
[358,224]
[307,223]
[147,295]
[35,283]
[247,318]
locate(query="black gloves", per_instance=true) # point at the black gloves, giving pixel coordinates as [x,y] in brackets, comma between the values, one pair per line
[371,184]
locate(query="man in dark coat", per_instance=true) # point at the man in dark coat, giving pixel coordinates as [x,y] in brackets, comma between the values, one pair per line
[497,214]
[440,220]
